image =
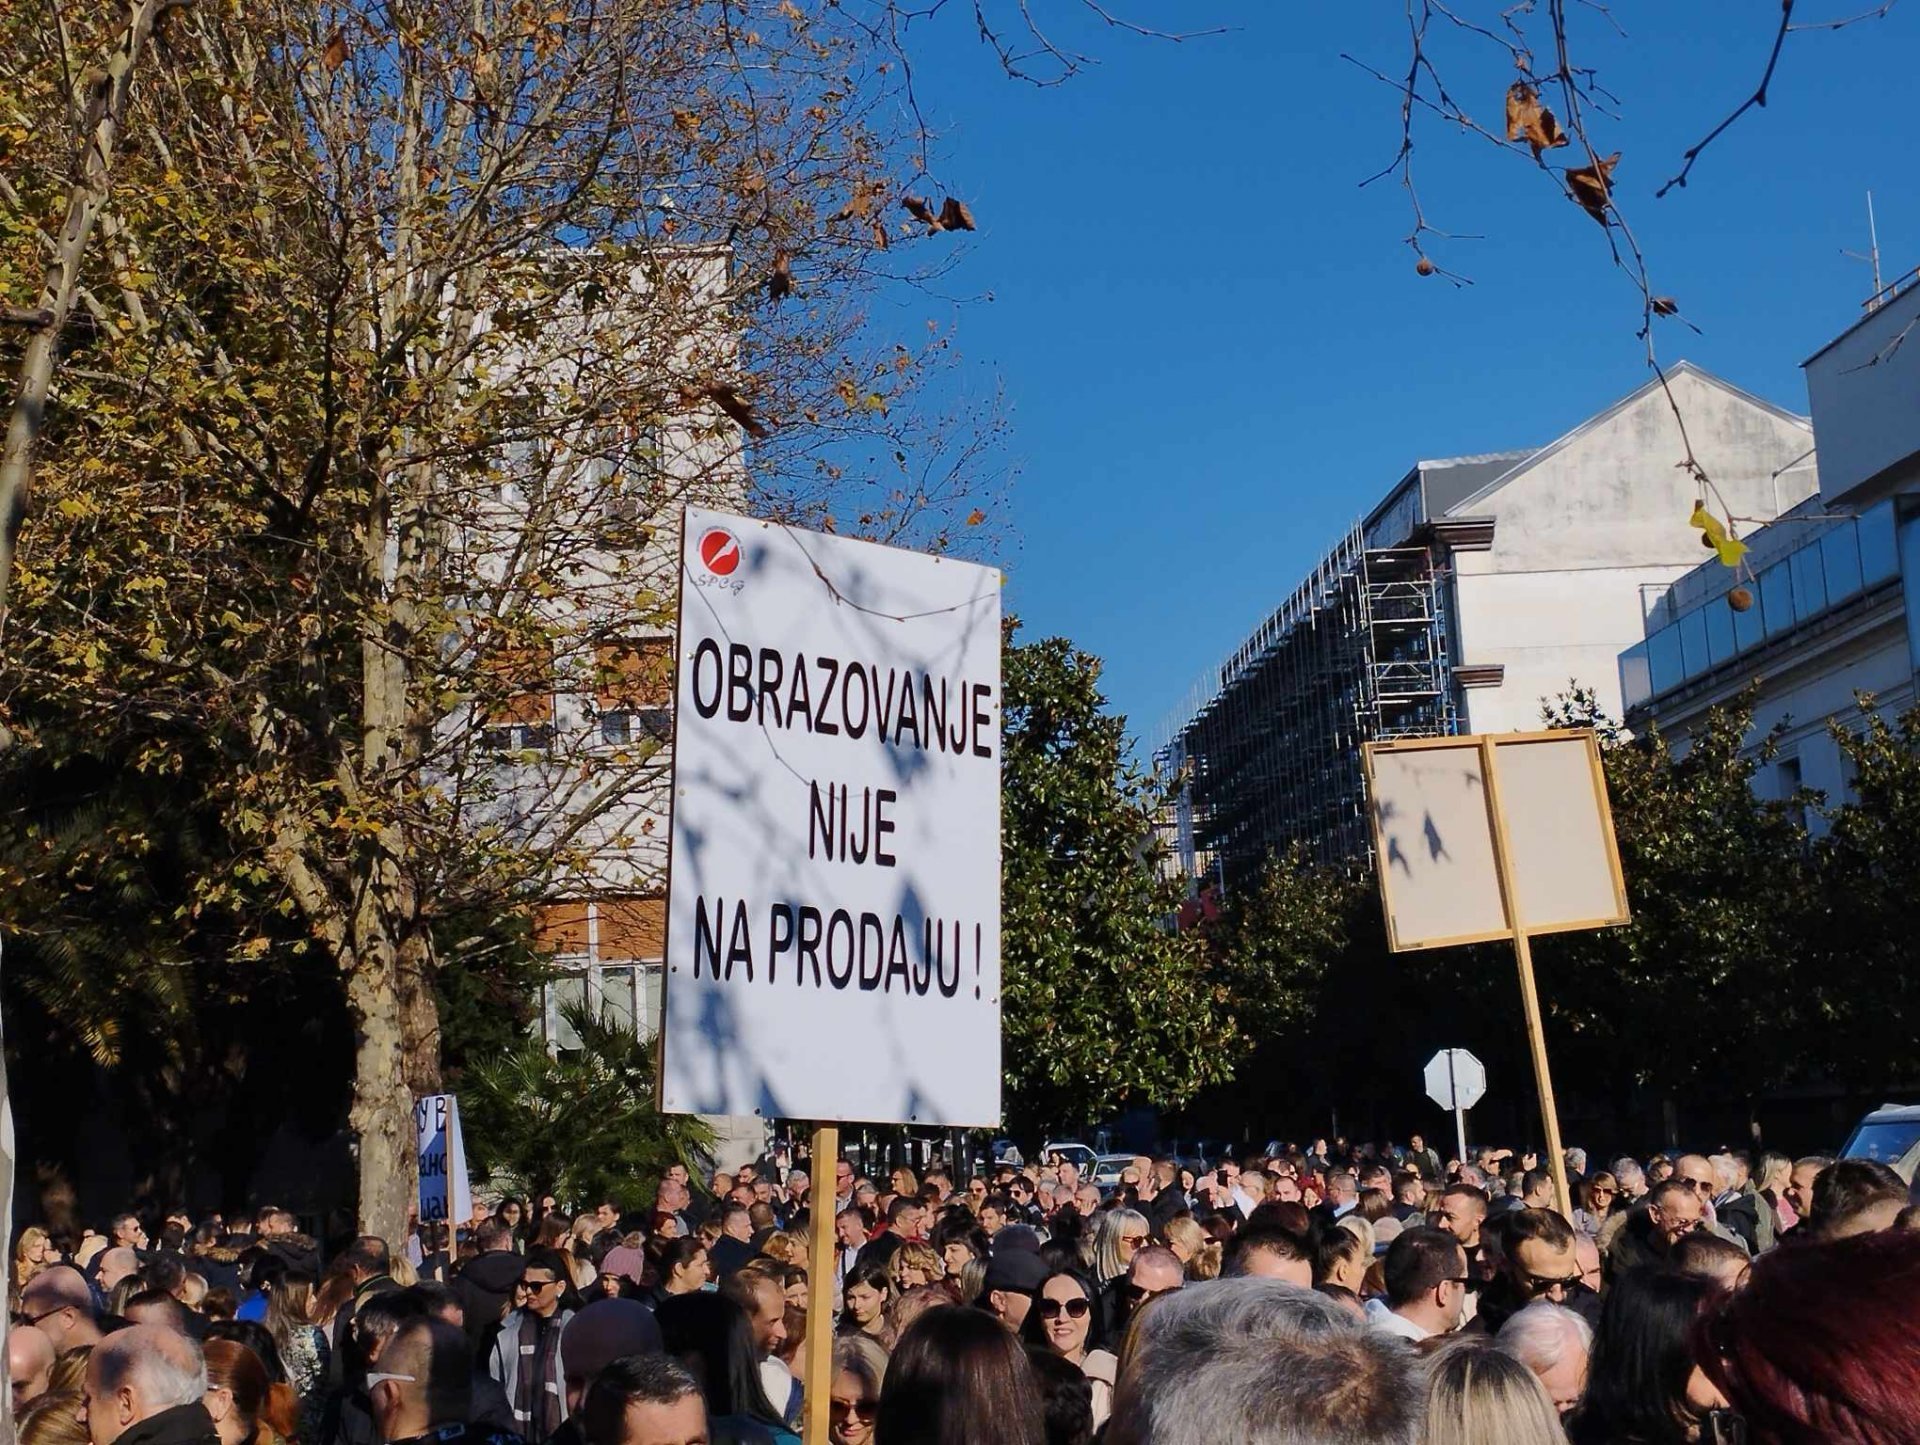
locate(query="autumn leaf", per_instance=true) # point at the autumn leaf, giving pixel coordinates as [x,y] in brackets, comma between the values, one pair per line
[1592,186]
[1528,120]
[921,211]
[976,517]
[880,234]
[954,215]
[1664,305]
[734,405]
[1522,105]
[780,282]
[335,55]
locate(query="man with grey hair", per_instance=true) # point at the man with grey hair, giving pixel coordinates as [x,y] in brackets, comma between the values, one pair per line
[1554,1343]
[144,1386]
[1576,1161]
[1265,1363]
[1634,1185]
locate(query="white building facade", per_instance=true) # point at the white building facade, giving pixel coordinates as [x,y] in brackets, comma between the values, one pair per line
[1830,622]
[1475,593]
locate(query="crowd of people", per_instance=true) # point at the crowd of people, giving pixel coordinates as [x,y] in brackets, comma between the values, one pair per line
[1325,1294]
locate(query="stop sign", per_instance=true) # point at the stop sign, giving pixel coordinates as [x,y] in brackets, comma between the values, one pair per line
[1455,1079]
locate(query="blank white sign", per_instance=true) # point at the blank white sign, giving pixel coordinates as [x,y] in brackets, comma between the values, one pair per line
[1435,844]
[1559,842]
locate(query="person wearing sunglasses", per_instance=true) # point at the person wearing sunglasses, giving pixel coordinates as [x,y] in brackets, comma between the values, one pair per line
[1064,1322]
[525,1358]
[1537,1263]
[1594,1202]
[859,1370]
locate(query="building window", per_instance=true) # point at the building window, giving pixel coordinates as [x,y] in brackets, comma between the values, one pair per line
[515,686]
[633,690]
[622,727]
[607,954]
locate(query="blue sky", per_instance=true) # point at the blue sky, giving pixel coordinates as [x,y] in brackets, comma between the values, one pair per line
[1216,350]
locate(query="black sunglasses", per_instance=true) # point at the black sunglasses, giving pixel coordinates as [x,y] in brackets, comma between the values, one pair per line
[1547,1283]
[1076,1309]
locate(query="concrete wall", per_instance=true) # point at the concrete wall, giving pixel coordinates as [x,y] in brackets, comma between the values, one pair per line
[1864,388]
[1597,516]
[1552,631]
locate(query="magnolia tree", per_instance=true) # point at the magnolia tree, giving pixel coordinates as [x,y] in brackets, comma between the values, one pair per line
[390,342]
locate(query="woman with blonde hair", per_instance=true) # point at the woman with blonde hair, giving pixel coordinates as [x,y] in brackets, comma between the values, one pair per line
[1479,1395]
[52,1419]
[1199,1252]
[915,1264]
[33,1252]
[787,1247]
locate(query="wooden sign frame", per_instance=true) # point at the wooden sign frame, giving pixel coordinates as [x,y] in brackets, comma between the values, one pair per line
[1514,925]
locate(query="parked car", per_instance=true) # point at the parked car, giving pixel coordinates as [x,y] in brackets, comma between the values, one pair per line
[1071,1151]
[1890,1134]
[1107,1167]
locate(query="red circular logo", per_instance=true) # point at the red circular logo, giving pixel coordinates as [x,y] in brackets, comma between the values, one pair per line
[720,552]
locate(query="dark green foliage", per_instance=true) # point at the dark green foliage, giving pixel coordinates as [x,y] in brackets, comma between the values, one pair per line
[579,1125]
[1105,1005]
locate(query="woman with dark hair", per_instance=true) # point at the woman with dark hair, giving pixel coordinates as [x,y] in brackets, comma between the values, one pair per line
[256,1337]
[1065,1319]
[680,1266]
[1375,1204]
[959,1377]
[1066,1397]
[711,1336]
[1819,1344]
[302,1347]
[1641,1363]
[512,1213]
[867,1293]
[958,1239]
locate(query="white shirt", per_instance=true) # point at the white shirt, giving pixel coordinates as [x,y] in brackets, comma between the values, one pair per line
[1387,1322]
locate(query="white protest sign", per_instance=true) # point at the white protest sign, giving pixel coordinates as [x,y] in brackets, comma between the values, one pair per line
[833,914]
[445,1193]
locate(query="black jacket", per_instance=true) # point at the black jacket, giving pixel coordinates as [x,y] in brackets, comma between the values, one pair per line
[485,1286]
[1740,1216]
[728,1255]
[1166,1204]
[182,1425]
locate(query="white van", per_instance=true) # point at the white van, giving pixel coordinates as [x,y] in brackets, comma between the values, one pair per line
[1890,1134]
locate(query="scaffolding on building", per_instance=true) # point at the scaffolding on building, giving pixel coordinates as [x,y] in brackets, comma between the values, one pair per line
[1268,754]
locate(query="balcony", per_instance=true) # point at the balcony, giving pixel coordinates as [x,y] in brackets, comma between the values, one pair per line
[1835,565]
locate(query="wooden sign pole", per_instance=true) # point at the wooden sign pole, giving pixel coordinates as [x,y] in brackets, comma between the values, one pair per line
[1529,993]
[817,1384]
